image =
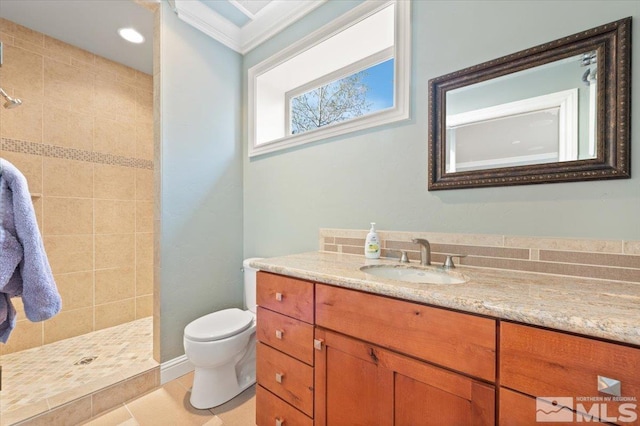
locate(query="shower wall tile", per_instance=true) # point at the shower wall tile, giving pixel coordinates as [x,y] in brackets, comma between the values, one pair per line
[144,248]
[115,98]
[67,178]
[114,284]
[22,71]
[69,85]
[114,182]
[69,253]
[144,279]
[111,314]
[144,106]
[23,123]
[144,81]
[66,216]
[144,141]
[68,324]
[144,184]
[114,137]
[26,335]
[121,71]
[67,128]
[144,216]
[76,289]
[20,32]
[115,250]
[84,137]
[60,49]
[6,39]
[29,165]
[144,306]
[115,216]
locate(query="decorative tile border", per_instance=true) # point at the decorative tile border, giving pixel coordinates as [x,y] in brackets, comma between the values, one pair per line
[603,259]
[54,151]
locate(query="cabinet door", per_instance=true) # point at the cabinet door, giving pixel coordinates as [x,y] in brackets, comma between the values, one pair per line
[362,384]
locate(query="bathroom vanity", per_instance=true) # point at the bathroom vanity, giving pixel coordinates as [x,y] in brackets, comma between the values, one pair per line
[337,346]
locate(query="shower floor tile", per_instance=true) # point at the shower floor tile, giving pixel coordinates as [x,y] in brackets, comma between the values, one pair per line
[53,374]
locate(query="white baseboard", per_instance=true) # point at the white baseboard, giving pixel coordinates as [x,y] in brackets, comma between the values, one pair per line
[175,368]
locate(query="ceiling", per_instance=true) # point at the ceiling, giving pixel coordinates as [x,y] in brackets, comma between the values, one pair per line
[242,24]
[92,25]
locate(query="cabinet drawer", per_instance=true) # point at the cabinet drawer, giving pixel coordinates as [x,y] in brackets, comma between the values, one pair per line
[517,409]
[286,334]
[549,363]
[286,377]
[462,342]
[289,296]
[272,411]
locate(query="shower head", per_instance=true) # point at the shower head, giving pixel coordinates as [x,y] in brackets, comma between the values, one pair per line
[11,102]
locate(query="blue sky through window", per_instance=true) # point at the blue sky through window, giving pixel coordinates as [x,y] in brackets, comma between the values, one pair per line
[380,81]
[306,113]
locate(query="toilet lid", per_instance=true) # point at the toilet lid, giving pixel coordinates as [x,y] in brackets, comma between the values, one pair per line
[218,325]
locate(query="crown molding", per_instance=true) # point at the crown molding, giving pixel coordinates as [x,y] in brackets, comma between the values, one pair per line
[272,19]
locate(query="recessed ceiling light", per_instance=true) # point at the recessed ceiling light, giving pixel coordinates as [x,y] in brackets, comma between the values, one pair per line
[131,35]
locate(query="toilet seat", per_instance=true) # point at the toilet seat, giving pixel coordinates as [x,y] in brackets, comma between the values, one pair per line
[218,325]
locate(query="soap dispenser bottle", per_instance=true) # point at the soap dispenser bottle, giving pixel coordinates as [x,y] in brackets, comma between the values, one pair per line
[372,244]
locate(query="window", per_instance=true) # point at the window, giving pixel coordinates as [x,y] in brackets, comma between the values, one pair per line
[332,82]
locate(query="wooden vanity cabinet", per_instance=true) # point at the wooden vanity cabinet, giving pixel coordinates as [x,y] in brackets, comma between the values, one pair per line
[358,383]
[332,356]
[284,352]
[543,363]
[370,364]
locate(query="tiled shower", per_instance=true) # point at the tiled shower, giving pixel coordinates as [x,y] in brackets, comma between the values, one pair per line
[83,137]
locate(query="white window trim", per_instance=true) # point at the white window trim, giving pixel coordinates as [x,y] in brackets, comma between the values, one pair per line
[402,64]
[566,101]
[351,69]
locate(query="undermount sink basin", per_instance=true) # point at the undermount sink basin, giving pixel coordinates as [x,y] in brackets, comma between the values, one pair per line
[414,274]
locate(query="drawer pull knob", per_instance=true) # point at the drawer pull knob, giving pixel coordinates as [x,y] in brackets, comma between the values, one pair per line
[279,422]
[279,377]
[609,386]
[279,297]
[279,334]
[317,344]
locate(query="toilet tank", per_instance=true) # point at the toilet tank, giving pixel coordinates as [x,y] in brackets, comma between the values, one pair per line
[250,284]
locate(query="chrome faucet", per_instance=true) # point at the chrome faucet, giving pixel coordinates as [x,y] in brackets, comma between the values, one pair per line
[425,250]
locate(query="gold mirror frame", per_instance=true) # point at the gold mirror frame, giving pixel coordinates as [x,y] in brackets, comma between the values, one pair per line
[612,42]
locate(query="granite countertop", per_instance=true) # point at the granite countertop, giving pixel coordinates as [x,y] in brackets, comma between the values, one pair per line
[593,307]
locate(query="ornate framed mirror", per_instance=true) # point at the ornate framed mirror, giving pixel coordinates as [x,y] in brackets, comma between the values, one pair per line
[557,112]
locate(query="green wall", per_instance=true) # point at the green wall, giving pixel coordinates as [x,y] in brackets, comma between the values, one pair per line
[201,179]
[380,175]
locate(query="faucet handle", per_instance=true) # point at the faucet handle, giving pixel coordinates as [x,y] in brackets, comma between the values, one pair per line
[448,262]
[404,257]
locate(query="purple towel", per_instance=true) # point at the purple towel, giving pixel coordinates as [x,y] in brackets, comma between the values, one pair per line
[24,268]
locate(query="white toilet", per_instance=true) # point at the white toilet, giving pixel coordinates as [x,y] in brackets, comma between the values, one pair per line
[222,347]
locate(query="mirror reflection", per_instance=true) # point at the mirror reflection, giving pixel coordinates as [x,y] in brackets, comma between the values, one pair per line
[544,114]
[556,112]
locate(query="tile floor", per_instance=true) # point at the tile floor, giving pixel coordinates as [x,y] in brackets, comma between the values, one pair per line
[169,405]
[39,379]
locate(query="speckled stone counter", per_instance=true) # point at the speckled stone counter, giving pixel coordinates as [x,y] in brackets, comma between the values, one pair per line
[598,308]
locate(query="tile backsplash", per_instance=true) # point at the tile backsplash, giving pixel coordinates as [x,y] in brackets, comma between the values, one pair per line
[603,259]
